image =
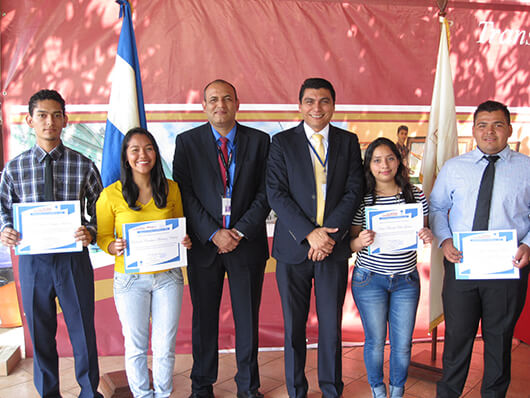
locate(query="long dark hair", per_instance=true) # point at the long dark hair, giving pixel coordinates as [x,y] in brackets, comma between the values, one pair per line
[402,174]
[159,184]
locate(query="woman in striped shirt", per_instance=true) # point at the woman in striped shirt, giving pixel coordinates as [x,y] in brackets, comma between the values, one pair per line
[386,287]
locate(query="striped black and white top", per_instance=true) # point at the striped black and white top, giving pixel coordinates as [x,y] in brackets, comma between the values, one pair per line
[389,263]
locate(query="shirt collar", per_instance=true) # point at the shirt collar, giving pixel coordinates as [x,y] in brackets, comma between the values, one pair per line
[478,154]
[55,153]
[309,132]
[230,136]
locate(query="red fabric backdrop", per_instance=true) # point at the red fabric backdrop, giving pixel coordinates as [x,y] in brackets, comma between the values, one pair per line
[381,53]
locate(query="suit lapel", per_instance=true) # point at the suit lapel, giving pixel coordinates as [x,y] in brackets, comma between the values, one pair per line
[302,147]
[333,152]
[210,148]
[241,142]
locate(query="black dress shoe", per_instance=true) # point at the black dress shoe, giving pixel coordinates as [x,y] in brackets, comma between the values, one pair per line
[250,394]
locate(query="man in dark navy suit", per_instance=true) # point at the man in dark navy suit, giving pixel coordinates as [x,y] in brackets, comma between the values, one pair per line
[220,169]
[314,184]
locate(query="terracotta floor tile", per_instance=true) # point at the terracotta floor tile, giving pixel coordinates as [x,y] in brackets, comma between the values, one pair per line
[273,369]
[312,379]
[357,389]
[26,390]
[111,364]
[471,392]
[183,364]
[353,368]
[311,361]
[422,389]
[279,392]
[19,384]
[269,384]
[18,376]
[355,353]
[181,387]
[267,356]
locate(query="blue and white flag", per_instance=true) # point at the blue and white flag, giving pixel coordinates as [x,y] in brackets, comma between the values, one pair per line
[126,105]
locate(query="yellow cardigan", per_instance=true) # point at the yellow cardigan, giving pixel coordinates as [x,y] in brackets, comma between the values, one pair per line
[112,212]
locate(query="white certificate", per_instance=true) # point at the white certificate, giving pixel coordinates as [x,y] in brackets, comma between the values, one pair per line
[486,254]
[396,227]
[154,245]
[47,227]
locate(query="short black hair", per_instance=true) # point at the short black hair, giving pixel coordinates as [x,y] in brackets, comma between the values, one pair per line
[45,95]
[219,81]
[492,106]
[316,83]
[403,127]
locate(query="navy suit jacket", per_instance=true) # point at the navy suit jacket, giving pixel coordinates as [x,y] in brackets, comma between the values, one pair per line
[196,170]
[291,191]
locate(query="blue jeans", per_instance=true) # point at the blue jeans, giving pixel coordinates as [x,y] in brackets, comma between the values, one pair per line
[383,299]
[139,298]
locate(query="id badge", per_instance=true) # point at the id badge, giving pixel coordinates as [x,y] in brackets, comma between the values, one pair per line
[226,206]
[324,190]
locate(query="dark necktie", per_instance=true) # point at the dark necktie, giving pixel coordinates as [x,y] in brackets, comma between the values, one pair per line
[482,211]
[48,178]
[222,165]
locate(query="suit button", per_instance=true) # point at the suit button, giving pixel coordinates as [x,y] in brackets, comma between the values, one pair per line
[313,197]
[313,219]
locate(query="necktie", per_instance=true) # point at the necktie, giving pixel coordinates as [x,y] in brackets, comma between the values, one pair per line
[482,211]
[48,178]
[320,178]
[223,164]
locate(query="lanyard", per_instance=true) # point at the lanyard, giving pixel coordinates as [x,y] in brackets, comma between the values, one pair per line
[323,163]
[226,165]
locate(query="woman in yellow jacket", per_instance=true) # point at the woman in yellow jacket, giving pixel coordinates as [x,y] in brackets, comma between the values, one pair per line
[143,194]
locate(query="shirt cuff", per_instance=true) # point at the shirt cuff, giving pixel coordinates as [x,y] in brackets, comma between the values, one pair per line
[211,236]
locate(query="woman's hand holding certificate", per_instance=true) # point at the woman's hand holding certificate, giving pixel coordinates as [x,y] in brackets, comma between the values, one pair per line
[154,245]
[396,227]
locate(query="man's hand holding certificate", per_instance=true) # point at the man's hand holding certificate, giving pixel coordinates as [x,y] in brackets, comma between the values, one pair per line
[154,245]
[486,254]
[396,227]
[47,227]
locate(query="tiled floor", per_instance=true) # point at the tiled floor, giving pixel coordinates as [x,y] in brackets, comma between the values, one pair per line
[19,384]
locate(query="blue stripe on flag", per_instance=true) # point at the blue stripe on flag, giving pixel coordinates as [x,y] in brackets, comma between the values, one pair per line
[127,50]
[110,168]
[110,163]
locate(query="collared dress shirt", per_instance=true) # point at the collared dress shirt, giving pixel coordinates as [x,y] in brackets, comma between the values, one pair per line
[75,177]
[454,196]
[309,132]
[231,146]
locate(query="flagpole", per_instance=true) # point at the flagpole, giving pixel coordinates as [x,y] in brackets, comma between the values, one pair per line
[441,144]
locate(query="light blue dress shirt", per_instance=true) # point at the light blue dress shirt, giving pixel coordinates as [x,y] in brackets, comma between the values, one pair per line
[454,196]
[231,145]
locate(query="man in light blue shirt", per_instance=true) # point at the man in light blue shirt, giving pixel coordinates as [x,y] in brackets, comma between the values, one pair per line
[496,302]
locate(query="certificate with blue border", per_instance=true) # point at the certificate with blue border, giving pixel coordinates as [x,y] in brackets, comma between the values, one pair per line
[47,227]
[486,254]
[396,227]
[154,245]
